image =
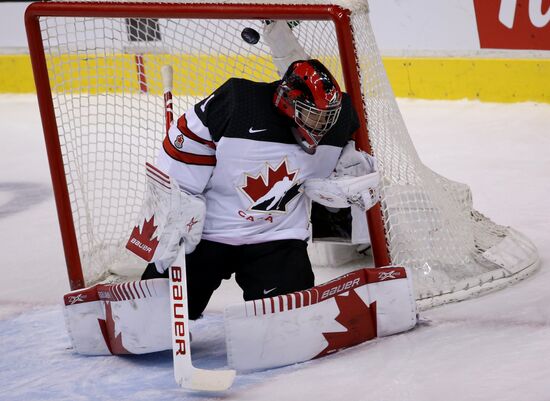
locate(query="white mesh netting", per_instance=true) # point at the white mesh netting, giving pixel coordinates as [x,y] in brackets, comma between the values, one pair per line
[106,85]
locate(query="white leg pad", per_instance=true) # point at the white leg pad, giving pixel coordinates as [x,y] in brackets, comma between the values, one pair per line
[83,313]
[126,318]
[297,327]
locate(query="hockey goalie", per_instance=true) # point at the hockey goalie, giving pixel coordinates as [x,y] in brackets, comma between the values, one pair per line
[230,194]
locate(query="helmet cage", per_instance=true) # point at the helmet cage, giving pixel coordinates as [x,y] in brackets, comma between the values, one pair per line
[315,122]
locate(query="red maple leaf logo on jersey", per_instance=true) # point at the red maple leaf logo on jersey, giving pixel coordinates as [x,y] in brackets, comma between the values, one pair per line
[272,192]
[142,242]
[359,320]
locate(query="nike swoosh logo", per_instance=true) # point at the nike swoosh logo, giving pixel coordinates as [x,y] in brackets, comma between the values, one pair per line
[254,131]
[268,291]
[203,106]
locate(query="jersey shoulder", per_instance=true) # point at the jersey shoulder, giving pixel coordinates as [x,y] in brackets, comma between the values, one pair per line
[235,106]
[215,110]
[243,109]
[347,124]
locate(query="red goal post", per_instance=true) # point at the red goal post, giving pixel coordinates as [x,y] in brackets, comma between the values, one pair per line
[80,58]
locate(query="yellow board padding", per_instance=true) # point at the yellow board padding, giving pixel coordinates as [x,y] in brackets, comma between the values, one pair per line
[494,80]
[16,74]
[194,75]
[489,80]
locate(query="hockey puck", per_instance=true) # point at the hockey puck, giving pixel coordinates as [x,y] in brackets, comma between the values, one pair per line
[250,35]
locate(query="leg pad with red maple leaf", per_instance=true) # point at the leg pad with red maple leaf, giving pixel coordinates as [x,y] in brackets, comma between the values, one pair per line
[309,324]
[120,318]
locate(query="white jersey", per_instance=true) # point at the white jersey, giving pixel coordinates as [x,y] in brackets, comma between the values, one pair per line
[246,163]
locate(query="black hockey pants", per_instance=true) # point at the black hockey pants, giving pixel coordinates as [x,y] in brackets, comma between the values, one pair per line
[261,270]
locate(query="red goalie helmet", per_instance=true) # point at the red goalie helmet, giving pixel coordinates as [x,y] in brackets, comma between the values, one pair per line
[309,94]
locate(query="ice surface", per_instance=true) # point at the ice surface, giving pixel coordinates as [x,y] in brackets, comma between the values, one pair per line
[496,347]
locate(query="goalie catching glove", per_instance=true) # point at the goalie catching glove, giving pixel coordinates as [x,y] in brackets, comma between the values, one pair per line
[284,46]
[354,182]
[167,216]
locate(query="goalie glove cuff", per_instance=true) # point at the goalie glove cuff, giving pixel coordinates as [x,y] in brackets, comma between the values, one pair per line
[342,192]
[167,216]
[353,162]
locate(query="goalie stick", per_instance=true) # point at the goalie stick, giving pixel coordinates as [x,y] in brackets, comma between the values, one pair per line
[186,375]
[167,79]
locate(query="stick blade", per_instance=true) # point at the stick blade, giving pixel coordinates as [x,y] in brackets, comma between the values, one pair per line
[208,380]
[186,375]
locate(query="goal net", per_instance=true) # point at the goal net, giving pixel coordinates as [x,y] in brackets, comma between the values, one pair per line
[97,69]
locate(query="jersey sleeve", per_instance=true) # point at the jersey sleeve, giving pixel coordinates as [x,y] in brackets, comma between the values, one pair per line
[216,110]
[188,152]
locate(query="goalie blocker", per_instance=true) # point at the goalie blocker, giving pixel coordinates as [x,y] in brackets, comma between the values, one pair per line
[133,318]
